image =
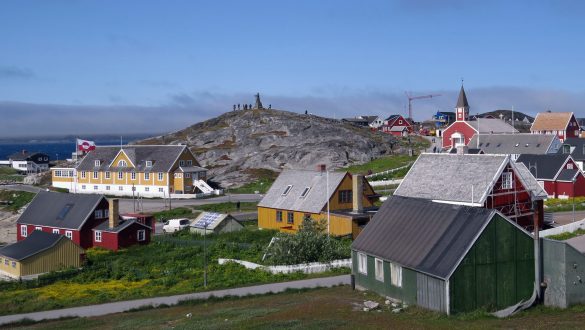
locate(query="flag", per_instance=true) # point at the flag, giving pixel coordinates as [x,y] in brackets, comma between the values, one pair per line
[85,145]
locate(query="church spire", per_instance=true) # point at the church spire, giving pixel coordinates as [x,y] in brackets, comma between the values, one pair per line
[462,107]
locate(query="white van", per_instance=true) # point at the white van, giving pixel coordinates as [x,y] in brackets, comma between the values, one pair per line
[173,225]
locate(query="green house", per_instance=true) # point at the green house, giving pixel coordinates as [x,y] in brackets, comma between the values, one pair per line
[444,257]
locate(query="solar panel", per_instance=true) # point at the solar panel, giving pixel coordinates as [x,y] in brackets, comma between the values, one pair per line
[207,220]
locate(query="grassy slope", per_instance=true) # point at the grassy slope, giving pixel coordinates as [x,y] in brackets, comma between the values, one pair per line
[10,174]
[338,307]
[17,199]
[227,207]
[560,205]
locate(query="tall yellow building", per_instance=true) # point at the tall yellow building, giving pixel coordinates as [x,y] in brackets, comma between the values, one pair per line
[150,171]
[342,200]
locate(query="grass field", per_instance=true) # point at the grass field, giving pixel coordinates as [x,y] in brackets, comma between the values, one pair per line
[560,205]
[332,308]
[380,164]
[10,174]
[227,207]
[15,199]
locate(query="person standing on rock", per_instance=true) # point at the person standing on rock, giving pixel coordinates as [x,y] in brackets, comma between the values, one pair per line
[238,106]
[234,107]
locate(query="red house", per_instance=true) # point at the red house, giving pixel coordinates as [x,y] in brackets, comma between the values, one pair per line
[80,217]
[462,130]
[488,181]
[563,124]
[558,174]
[396,125]
[73,216]
[145,219]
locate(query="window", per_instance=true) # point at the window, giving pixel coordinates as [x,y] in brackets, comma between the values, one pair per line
[566,149]
[278,216]
[569,166]
[141,235]
[187,175]
[108,188]
[146,176]
[133,176]
[106,213]
[69,234]
[181,163]
[55,231]
[400,122]
[146,189]
[305,192]
[287,190]
[160,176]
[396,275]
[120,188]
[290,218]
[122,163]
[345,196]
[148,163]
[379,270]
[83,186]
[98,235]
[189,163]
[507,180]
[160,190]
[95,187]
[96,163]
[39,228]
[83,174]
[14,264]
[120,175]
[108,175]
[98,214]
[362,263]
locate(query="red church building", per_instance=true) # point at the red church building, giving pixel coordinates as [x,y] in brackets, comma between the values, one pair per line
[462,130]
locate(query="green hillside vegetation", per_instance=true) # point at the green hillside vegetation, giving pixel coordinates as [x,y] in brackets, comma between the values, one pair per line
[14,200]
[10,174]
[561,205]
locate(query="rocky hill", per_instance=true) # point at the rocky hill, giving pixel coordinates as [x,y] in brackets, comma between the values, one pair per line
[239,145]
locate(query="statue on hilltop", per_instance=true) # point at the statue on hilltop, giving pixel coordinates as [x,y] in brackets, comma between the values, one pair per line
[258,104]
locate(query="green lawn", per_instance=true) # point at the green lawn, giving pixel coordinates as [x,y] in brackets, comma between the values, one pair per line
[260,185]
[15,199]
[323,308]
[227,207]
[10,174]
[171,264]
[179,212]
[566,236]
[560,205]
[380,164]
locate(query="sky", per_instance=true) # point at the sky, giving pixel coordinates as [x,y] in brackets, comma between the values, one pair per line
[107,66]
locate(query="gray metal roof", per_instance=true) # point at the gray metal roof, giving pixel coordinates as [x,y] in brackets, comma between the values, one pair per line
[162,156]
[567,175]
[60,210]
[530,182]
[123,224]
[544,167]
[25,155]
[515,143]
[453,178]
[190,169]
[489,125]
[577,146]
[462,100]
[578,243]
[316,198]
[36,242]
[422,235]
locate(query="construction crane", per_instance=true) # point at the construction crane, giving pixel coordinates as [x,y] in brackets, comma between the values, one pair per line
[410,98]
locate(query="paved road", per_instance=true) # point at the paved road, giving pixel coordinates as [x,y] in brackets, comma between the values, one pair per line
[563,218]
[21,187]
[438,144]
[122,306]
[151,205]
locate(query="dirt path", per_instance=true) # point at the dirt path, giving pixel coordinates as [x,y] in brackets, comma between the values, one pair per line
[8,227]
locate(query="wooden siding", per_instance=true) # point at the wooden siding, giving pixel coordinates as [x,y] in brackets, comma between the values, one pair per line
[63,255]
[13,271]
[346,184]
[457,127]
[339,225]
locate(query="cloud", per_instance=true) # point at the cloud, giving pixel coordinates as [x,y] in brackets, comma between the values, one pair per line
[13,72]
[186,108]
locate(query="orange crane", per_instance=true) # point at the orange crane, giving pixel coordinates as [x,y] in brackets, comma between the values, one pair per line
[410,98]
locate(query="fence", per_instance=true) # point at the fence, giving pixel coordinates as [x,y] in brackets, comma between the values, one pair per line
[563,229]
[310,268]
[388,171]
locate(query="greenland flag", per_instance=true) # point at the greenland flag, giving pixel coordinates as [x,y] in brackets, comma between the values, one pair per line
[85,145]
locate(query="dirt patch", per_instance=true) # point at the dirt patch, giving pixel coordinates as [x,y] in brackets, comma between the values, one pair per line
[8,227]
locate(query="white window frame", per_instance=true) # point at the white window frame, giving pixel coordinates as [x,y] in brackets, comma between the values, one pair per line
[95,187]
[181,163]
[69,234]
[39,228]
[122,163]
[362,263]
[83,186]
[96,162]
[146,188]
[187,175]
[95,175]
[55,231]
[141,235]
[120,175]
[507,182]
[146,176]
[98,214]
[107,174]
[189,163]
[83,174]
[97,235]
[569,166]
[160,190]
[396,275]
[160,176]
[379,269]
[107,187]
[287,190]
[120,188]
[133,176]
[149,163]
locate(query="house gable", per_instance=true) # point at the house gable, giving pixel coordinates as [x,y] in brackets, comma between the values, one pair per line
[122,156]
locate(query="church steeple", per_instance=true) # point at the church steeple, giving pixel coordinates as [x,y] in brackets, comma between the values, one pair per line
[462,108]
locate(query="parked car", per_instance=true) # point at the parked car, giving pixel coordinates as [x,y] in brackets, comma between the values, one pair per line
[173,225]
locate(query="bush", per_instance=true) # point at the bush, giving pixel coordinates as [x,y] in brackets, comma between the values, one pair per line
[309,244]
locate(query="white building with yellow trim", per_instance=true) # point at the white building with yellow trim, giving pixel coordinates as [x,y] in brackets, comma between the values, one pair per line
[149,171]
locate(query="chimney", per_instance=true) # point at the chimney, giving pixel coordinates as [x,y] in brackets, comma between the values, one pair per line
[358,193]
[114,212]
[321,167]
[462,150]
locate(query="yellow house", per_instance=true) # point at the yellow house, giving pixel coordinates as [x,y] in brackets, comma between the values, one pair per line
[342,200]
[151,171]
[39,253]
